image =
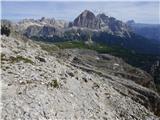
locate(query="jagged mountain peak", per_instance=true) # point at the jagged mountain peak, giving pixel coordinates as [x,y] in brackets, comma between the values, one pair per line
[86,19]
[102,15]
[88,14]
[44,19]
[101,22]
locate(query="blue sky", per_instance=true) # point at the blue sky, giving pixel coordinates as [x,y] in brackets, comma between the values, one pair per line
[141,12]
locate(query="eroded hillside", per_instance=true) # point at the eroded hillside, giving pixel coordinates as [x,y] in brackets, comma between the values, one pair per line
[62,85]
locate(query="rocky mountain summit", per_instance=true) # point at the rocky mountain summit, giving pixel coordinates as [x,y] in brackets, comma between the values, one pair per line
[72,84]
[101,22]
[87,19]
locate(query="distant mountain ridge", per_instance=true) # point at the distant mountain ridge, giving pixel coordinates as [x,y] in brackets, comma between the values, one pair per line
[86,20]
[150,31]
[88,27]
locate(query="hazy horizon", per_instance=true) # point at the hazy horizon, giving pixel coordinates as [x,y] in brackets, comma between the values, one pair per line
[140,12]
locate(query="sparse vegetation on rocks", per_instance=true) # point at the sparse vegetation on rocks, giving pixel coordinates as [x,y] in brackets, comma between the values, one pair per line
[54,84]
[5,31]
[2,57]
[20,58]
[41,59]
[49,47]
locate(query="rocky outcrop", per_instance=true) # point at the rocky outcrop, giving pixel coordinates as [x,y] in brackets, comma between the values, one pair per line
[39,85]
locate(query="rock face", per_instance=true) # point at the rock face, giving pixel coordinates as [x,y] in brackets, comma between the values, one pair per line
[64,85]
[113,25]
[41,27]
[45,31]
[87,19]
[101,22]
[41,22]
